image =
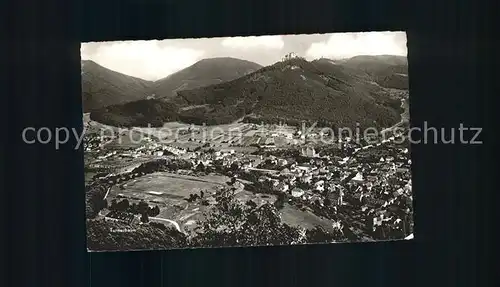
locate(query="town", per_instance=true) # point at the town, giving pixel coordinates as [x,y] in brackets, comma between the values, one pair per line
[362,189]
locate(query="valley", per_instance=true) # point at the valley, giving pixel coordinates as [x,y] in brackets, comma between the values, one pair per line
[260,151]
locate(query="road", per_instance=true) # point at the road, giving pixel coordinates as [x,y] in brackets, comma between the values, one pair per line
[174,223]
[192,178]
[151,218]
[265,170]
[393,127]
[404,117]
[107,192]
[170,221]
[119,168]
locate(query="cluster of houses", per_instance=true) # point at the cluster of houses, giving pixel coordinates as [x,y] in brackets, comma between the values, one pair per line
[92,143]
[350,174]
[354,177]
[327,173]
[151,150]
[154,149]
[120,216]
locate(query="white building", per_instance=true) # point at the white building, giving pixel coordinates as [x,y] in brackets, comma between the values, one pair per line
[344,160]
[275,182]
[306,178]
[319,185]
[297,192]
[282,162]
[308,152]
[283,187]
[358,177]
[304,168]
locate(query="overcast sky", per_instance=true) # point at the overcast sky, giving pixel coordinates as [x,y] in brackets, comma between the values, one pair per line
[152,60]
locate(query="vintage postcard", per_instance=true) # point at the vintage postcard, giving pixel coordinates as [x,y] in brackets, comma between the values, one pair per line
[246,141]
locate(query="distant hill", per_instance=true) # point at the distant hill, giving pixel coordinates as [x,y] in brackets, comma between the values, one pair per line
[204,73]
[103,87]
[331,93]
[386,70]
[375,62]
[138,113]
[292,91]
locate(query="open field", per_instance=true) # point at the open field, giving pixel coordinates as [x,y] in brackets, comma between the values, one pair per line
[293,216]
[169,191]
[237,136]
[117,165]
[172,186]
[259,199]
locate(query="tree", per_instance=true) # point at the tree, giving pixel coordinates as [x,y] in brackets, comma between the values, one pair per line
[251,204]
[134,208]
[123,205]
[114,204]
[234,224]
[151,236]
[104,203]
[153,211]
[280,201]
[144,217]
[319,235]
[200,167]
[95,201]
[142,207]
[156,211]
[327,202]
[234,167]
[158,225]
[229,223]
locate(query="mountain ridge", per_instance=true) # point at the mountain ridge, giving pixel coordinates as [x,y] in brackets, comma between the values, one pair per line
[205,72]
[295,90]
[292,90]
[102,87]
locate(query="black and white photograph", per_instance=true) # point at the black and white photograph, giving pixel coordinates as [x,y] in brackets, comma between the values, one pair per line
[247,141]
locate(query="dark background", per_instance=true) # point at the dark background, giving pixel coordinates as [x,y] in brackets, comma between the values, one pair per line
[43,198]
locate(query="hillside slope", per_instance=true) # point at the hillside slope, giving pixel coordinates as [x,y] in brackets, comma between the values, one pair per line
[204,73]
[386,70]
[329,93]
[103,87]
[292,91]
[136,114]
